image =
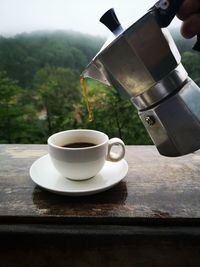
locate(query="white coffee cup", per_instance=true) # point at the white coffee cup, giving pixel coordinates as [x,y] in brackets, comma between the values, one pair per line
[80,163]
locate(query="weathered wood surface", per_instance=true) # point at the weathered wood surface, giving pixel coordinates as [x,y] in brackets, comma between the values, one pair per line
[151,218]
[155,187]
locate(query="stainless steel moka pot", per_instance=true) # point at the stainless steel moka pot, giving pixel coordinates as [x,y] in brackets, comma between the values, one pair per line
[143,63]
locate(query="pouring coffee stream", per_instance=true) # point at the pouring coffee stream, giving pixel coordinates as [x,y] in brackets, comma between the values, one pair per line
[143,63]
[82,83]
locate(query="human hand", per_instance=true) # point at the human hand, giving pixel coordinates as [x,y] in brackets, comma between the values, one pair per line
[189,13]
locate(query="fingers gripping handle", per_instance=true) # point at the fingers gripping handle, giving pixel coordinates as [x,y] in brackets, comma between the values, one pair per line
[165,11]
[115,156]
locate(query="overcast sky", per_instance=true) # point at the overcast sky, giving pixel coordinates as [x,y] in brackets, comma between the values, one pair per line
[18,16]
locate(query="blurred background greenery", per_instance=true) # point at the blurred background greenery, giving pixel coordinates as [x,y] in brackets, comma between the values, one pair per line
[40,91]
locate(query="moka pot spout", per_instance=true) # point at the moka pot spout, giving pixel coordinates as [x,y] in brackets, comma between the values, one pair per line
[95,71]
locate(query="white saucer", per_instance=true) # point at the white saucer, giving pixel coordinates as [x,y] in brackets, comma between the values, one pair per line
[44,174]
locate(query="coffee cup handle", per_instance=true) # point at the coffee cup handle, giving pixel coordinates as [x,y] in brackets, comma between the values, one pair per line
[115,156]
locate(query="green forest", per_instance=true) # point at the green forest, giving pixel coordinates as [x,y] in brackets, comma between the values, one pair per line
[40,91]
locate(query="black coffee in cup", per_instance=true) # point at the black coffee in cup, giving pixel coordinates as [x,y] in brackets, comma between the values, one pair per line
[79,145]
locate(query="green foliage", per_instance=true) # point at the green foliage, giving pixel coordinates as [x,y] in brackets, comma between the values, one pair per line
[56,93]
[16,118]
[21,57]
[191,61]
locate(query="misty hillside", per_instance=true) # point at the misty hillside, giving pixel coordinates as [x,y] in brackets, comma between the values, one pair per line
[22,55]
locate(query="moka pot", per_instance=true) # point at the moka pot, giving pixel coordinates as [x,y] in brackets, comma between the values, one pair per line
[143,63]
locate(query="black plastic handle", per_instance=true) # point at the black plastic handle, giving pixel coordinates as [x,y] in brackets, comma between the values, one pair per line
[110,20]
[165,11]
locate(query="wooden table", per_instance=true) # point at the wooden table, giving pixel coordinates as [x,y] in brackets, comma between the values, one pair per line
[151,218]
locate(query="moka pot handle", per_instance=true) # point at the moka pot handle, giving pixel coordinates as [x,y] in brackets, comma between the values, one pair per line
[165,11]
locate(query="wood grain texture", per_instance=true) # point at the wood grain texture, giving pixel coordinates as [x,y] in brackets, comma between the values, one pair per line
[155,187]
[151,218]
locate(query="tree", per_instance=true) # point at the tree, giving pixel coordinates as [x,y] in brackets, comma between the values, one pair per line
[23,55]
[191,61]
[57,93]
[15,115]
